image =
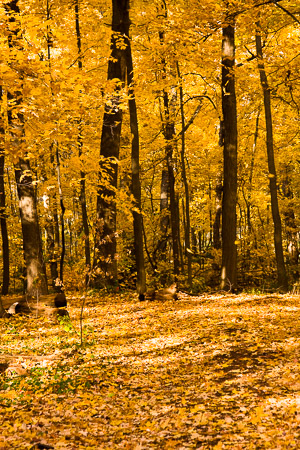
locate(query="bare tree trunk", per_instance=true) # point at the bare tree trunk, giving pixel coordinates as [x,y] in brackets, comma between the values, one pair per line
[161,249]
[62,223]
[229,249]
[135,182]
[32,244]
[3,215]
[4,233]
[290,225]
[53,232]
[169,134]
[217,243]
[82,196]
[281,272]
[187,231]
[2,310]
[105,263]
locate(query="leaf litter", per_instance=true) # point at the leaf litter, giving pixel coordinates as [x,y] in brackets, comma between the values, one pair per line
[208,372]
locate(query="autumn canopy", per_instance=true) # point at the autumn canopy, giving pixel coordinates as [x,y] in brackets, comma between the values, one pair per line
[148,142]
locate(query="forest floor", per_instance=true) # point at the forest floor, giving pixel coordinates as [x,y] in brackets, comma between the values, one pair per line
[207,372]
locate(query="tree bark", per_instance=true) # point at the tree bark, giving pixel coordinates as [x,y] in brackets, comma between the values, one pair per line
[281,272]
[82,196]
[3,215]
[169,135]
[135,174]
[229,249]
[62,222]
[187,231]
[105,263]
[291,226]
[32,244]
[217,243]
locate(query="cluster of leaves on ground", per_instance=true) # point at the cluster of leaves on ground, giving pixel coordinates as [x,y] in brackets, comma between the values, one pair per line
[203,372]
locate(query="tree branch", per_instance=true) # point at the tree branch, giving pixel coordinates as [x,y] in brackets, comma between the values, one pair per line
[286,11]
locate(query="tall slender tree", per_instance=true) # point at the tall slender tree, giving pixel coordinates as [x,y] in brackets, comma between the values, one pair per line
[82,196]
[281,272]
[105,262]
[3,215]
[229,249]
[187,231]
[135,172]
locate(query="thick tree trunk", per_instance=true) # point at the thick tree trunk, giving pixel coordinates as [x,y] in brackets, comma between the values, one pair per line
[281,272]
[229,249]
[105,263]
[82,196]
[135,181]
[3,216]
[32,244]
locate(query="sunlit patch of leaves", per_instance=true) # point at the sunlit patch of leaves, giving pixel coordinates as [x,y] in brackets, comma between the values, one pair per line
[204,372]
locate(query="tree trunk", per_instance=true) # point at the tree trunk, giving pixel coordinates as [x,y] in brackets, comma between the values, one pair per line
[32,244]
[105,263]
[217,243]
[62,223]
[4,233]
[169,134]
[229,249]
[3,215]
[281,272]
[82,196]
[290,226]
[161,249]
[135,170]
[187,231]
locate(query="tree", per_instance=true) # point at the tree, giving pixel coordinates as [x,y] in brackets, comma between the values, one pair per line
[32,245]
[135,173]
[281,272]
[229,249]
[3,214]
[105,263]
[82,196]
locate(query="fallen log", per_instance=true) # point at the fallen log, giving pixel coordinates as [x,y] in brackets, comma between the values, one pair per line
[49,305]
[169,293]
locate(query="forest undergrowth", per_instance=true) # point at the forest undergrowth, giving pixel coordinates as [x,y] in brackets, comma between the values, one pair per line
[207,372]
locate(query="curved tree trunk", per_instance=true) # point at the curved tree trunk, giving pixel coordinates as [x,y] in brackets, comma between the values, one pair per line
[281,272]
[82,197]
[229,250]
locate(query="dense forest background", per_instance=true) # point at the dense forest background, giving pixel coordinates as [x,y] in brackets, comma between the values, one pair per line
[149,144]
